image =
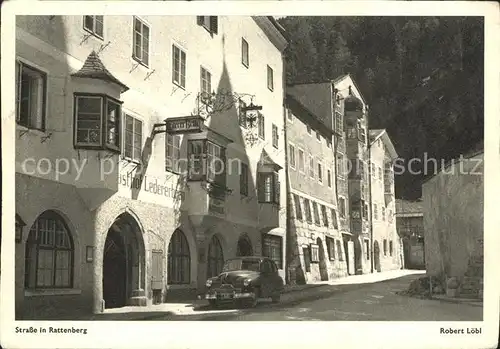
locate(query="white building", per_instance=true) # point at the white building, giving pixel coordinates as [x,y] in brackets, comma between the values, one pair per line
[110,216]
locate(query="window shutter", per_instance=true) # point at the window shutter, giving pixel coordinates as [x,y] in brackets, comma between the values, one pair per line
[276,188]
[199,20]
[214,24]
[261,183]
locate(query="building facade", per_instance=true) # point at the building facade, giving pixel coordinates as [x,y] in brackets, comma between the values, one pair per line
[410,227]
[453,208]
[112,207]
[316,240]
[387,244]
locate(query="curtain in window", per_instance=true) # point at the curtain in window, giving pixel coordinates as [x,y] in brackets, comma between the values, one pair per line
[49,253]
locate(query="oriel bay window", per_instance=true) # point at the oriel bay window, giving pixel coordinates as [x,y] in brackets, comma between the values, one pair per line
[206,161]
[268,187]
[97,122]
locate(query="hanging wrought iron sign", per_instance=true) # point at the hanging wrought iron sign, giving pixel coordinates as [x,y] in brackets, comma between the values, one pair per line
[184,124]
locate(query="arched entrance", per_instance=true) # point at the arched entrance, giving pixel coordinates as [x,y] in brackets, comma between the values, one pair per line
[244,246]
[323,271]
[376,256]
[124,264]
[215,259]
[179,259]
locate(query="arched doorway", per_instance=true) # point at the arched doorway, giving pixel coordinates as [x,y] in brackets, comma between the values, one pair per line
[244,246]
[376,256]
[179,259]
[323,271]
[215,259]
[123,263]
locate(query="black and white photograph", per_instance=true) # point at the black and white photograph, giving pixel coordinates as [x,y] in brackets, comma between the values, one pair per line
[261,165]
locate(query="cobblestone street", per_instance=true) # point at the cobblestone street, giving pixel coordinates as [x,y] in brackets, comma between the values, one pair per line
[357,298]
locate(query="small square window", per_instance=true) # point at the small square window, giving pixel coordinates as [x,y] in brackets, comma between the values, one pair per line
[94,25]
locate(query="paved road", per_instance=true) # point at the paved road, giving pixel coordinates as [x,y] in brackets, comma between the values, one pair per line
[366,302]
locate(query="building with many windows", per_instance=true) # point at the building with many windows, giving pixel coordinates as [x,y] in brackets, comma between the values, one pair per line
[387,243]
[115,205]
[316,242]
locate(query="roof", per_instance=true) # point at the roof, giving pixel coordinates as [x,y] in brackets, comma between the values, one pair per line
[316,98]
[407,207]
[294,104]
[475,151]
[382,134]
[349,76]
[266,160]
[93,68]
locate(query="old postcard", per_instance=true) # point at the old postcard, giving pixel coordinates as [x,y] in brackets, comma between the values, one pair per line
[250,165]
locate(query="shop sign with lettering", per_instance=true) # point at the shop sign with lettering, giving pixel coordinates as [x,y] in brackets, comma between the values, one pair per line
[185,124]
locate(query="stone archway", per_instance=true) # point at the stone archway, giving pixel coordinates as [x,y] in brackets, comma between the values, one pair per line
[123,274]
[376,256]
[244,247]
[215,257]
[323,271]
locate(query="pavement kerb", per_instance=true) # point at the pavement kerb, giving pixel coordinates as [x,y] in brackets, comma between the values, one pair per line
[473,302]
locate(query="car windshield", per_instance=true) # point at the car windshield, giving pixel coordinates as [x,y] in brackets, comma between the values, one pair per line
[241,264]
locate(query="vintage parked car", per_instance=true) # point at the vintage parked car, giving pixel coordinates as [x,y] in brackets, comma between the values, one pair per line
[244,280]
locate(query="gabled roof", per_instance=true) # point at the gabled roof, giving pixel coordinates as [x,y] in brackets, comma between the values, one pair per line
[266,160]
[316,98]
[349,76]
[93,68]
[374,135]
[300,109]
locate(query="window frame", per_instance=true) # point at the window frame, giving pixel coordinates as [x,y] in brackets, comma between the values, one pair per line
[173,169]
[275,185]
[44,75]
[270,78]
[312,169]
[339,162]
[126,114]
[307,210]
[339,127]
[319,168]
[261,126]
[103,144]
[244,176]
[275,136]
[54,216]
[93,30]
[317,217]
[245,55]
[384,243]
[298,207]
[329,177]
[324,215]
[301,168]
[279,240]
[141,60]
[291,152]
[180,73]
[342,207]
[330,244]
[204,79]
[201,20]
[335,222]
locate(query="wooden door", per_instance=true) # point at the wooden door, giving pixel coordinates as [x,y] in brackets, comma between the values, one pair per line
[157,269]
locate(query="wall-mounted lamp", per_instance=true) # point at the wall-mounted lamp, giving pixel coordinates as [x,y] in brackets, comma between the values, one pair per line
[89,254]
[19,228]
